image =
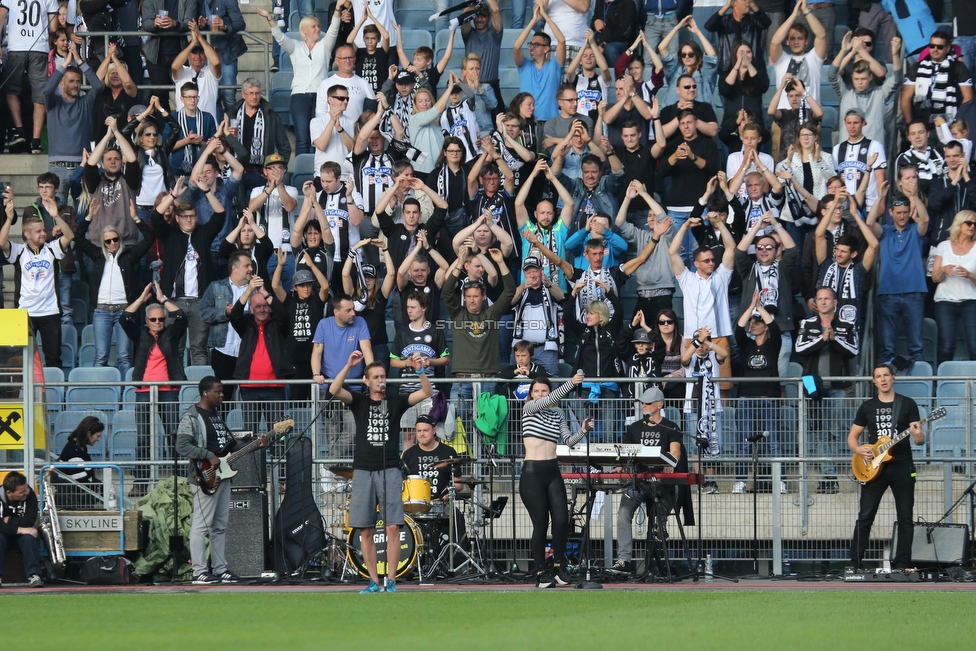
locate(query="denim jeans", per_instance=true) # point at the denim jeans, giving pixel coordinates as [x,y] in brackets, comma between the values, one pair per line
[901,313]
[518,14]
[302,111]
[612,51]
[968,46]
[64,289]
[106,324]
[688,244]
[197,331]
[655,29]
[64,177]
[753,416]
[950,316]
[228,96]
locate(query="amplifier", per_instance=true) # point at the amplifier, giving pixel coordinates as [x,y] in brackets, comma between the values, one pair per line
[881,577]
[938,544]
[247,533]
[251,469]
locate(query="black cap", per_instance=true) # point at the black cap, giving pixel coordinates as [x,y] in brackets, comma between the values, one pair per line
[405,78]
[369,271]
[426,418]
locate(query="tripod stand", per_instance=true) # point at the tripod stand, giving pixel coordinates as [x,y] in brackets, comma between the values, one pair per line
[452,545]
[755,439]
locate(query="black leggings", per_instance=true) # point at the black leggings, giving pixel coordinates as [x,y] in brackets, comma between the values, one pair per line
[544,496]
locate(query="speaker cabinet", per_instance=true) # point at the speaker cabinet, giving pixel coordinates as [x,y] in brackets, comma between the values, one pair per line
[938,544]
[251,470]
[247,533]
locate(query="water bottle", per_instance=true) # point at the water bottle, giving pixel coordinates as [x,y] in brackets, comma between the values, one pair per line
[786,564]
[709,574]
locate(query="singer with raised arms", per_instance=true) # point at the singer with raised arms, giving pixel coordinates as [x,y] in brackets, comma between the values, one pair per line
[542,488]
[376,479]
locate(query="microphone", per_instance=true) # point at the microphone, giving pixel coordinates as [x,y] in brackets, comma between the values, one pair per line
[755,438]
[382,387]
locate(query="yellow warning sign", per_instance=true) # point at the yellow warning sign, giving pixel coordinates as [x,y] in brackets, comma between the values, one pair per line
[11,427]
[13,328]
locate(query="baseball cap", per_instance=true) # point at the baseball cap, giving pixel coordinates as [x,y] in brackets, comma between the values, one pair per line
[302,277]
[273,159]
[653,394]
[532,261]
[405,78]
[138,109]
[854,111]
[369,270]
[640,337]
[426,418]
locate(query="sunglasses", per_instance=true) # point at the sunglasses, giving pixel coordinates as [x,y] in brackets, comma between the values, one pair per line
[899,202]
[938,46]
[868,44]
[765,247]
[687,55]
[691,87]
[453,151]
[150,134]
[970,224]
[111,240]
[344,98]
[707,260]
[155,319]
[665,322]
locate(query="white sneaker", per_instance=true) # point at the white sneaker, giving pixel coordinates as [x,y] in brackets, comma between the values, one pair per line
[782,488]
[739,487]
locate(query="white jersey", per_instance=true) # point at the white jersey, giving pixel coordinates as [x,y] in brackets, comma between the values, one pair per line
[570,22]
[208,85]
[277,223]
[383,10]
[28,22]
[38,277]
[807,68]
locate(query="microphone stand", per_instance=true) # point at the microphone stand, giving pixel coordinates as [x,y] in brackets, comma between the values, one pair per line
[755,500]
[586,583]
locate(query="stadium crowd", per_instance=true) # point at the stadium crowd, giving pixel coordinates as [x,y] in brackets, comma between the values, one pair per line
[556,228]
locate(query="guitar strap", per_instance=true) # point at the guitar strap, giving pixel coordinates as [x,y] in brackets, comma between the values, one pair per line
[896,411]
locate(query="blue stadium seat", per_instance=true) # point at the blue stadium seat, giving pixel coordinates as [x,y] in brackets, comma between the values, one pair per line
[948,440]
[86,396]
[792,390]
[86,356]
[280,96]
[66,422]
[827,95]
[197,373]
[414,38]
[304,170]
[235,419]
[79,312]
[69,335]
[508,82]
[69,352]
[125,436]
[53,396]
[415,18]
[189,396]
[88,334]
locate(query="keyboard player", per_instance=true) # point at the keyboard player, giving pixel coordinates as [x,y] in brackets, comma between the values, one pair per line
[655,430]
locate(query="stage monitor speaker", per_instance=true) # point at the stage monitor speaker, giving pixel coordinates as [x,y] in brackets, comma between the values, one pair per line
[938,544]
[247,533]
[251,469]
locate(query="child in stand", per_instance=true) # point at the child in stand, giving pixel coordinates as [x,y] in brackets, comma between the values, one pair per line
[372,59]
[957,130]
[428,76]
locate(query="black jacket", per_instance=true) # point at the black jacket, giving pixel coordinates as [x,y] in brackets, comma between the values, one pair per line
[945,202]
[169,344]
[275,335]
[162,151]
[810,344]
[128,260]
[174,242]
[21,514]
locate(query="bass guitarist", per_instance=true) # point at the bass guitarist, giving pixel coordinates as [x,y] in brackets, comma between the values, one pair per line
[203,434]
[887,415]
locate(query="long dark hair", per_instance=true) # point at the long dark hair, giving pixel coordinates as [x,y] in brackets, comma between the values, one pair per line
[748,82]
[699,56]
[88,425]
[675,347]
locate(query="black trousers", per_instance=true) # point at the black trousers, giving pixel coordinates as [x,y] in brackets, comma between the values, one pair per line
[223,367]
[544,495]
[48,329]
[901,479]
[652,306]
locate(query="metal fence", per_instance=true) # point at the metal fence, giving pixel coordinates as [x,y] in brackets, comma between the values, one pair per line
[810,523]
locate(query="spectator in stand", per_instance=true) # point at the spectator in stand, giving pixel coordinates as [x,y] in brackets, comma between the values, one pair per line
[706,121]
[450,177]
[739,21]
[216,304]
[458,120]
[157,357]
[303,309]
[559,126]
[196,127]
[69,116]
[594,192]
[344,215]
[615,24]
[953,191]
[865,96]
[370,296]
[747,161]
[741,84]
[206,178]
[418,273]
[523,105]
[248,237]
[310,59]
[877,19]
[167,38]
[35,275]
[359,89]
[88,433]
[664,18]
[371,59]
[263,334]
[638,162]
[373,160]
[422,67]
[259,133]
[690,160]
[402,238]
[204,70]
[119,95]
[540,75]
[186,269]
[701,358]
[27,49]
[113,192]
[569,154]
[481,97]
[937,84]
[97,16]
[343,331]
[697,61]
[796,61]
[483,36]
[425,132]
[804,173]
[487,194]
[332,132]
[276,203]
[225,21]
[114,284]
[631,107]
[859,156]
[954,274]
[901,289]
[861,40]
[632,64]
[764,194]
[843,275]
[801,109]
[152,154]
[312,237]
[18,515]
[655,280]
[536,302]
[543,225]
[44,208]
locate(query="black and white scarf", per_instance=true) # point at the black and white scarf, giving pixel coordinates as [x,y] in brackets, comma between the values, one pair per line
[936,86]
[767,281]
[707,426]
[458,120]
[593,292]
[357,266]
[257,141]
[190,151]
[843,282]
[403,109]
[552,318]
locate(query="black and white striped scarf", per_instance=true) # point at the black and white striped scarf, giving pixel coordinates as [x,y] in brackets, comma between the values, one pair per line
[767,280]
[593,292]
[257,142]
[936,83]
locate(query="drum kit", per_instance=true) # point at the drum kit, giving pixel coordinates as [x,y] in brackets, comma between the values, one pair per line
[433,542]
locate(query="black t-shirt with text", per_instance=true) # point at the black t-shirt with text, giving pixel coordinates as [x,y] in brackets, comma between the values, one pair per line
[879,419]
[304,317]
[377,431]
[662,434]
[421,462]
[219,438]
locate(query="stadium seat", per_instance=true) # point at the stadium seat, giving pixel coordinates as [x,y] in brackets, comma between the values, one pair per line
[86,356]
[280,96]
[86,396]
[508,82]
[125,436]
[69,335]
[189,396]
[304,170]
[88,334]
[79,312]
[197,373]
[792,390]
[827,95]
[415,18]
[948,440]
[414,38]
[53,396]
[66,422]
[69,352]
[235,419]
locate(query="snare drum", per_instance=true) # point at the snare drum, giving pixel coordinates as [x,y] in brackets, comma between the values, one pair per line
[416,494]
[438,511]
[410,545]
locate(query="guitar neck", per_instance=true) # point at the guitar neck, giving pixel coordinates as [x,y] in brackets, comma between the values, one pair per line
[901,436]
[247,449]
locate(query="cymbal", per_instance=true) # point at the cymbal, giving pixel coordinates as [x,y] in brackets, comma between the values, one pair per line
[471,482]
[453,461]
[341,471]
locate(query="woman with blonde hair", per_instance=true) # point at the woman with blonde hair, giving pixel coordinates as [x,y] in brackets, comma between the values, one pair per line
[955,294]
[425,131]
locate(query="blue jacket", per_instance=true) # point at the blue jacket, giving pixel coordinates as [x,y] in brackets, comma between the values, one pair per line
[616,246]
[603,198]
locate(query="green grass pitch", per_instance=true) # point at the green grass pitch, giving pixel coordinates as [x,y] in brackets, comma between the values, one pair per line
[500,621]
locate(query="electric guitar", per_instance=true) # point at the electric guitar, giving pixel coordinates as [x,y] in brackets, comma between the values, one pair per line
[867,471]
[209,477]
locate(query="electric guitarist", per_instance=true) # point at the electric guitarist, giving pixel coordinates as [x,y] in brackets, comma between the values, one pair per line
[887,415]
[202,435]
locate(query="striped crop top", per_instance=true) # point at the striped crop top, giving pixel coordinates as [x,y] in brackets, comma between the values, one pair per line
[540,421]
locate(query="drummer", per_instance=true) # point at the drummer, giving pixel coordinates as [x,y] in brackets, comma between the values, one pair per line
[420,459]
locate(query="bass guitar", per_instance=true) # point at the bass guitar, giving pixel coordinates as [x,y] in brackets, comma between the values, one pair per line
[867,471]
[209,477]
